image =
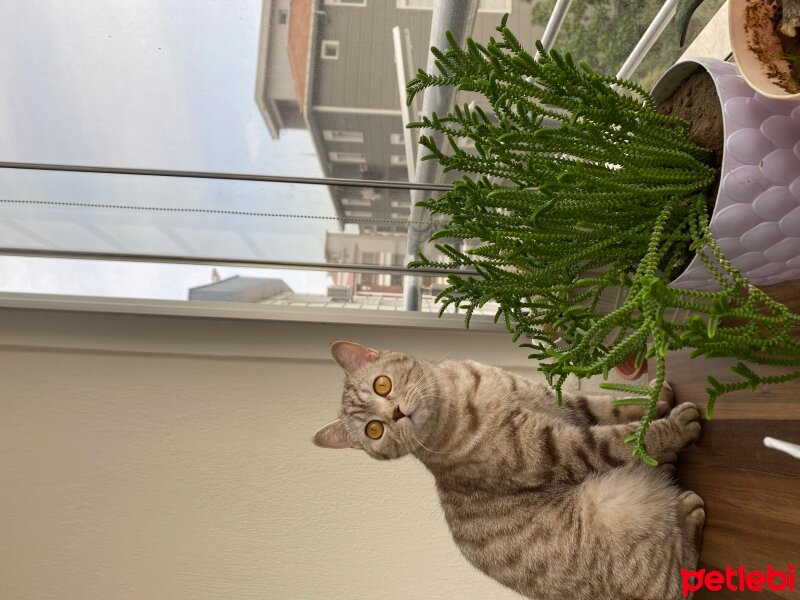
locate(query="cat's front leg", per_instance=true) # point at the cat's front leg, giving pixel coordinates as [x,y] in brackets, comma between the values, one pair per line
[599,409]
[668,436]
[569,453]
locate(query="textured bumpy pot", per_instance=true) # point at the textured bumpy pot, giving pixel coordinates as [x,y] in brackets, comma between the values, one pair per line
[757,66]
[756,217]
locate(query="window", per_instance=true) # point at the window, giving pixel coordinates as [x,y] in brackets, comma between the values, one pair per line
[330,49]
[415,4]
[398,159]
[347,157]
[356,202]
[347,137]
[397,139]
[494,6]
[401,203]
[358,214]
[396,215]
[485,6]
[346,2]
[398,260]
[283,17]
[370,258]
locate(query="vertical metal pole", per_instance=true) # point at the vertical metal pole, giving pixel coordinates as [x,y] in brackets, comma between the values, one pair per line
[457,18]
[554,24]
[405,112]
[649,38]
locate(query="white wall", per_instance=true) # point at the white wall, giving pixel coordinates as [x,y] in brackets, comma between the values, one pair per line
[162,457]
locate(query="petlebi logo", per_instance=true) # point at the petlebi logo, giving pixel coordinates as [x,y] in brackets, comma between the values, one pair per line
[738,580]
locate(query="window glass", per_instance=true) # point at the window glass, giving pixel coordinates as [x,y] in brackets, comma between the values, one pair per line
[300,88]
[603,33]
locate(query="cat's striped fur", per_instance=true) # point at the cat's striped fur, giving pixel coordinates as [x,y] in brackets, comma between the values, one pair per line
[546,500]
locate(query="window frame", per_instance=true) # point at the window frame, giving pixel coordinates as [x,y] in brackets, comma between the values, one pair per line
[326,44]
[356,202]
[335,135]
[350,3]
[347,158]
[404,5]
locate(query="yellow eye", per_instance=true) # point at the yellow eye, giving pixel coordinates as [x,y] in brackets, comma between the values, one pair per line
[382,385]
[374,430]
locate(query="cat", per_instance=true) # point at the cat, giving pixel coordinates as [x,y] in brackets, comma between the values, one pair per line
[547,500]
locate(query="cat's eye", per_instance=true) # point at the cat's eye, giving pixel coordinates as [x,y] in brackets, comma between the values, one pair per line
[382,385]
[374,430]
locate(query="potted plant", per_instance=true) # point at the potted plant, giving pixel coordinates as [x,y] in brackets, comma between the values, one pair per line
[766,46]
[765,42]
[614,198]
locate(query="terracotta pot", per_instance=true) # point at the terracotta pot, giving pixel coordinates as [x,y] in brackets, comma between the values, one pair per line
[743,41]
[628,370]
[756,216]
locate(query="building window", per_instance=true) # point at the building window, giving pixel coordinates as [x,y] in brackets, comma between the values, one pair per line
[283,17]
[356,202]
[426,4]
[484,6]
[346,2]
[398,260]
[398,159]
[498,6]
[370,258]
[347,137]
[494,6]
[347,157]
[330,49]
[401,204]
[358,214]
[397,139]
[396,215]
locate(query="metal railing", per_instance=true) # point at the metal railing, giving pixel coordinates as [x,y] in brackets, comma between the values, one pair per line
[445,18]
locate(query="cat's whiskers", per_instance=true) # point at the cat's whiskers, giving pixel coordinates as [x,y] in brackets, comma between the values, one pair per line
[407,441]
[417,390]
[424,446]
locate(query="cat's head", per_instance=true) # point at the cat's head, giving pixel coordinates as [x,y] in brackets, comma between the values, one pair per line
[388,406]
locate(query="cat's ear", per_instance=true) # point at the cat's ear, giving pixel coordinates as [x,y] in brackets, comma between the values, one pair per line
[352,356]
[335,435]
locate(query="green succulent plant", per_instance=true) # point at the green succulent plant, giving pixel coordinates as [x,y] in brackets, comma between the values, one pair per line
[613,198]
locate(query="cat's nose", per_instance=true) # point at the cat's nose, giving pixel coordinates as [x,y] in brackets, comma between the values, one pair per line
[397,414]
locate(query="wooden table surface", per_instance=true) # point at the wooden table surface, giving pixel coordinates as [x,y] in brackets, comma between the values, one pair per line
[752,493]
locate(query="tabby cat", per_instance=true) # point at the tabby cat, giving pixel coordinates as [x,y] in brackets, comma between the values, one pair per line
[547,500]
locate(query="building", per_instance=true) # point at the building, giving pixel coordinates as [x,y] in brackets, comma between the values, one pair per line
[365,249]
[275,292]
[329,66]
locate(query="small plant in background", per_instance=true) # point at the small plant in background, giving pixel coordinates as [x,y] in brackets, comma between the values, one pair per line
[611,198]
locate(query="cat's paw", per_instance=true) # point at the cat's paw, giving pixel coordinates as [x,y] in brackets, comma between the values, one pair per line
[685,419]
[692,516]
[666,399]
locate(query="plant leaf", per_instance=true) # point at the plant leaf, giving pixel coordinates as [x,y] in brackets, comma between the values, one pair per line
[683,14]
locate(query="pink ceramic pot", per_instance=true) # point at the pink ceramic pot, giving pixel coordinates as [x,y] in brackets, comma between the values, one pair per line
[756,218]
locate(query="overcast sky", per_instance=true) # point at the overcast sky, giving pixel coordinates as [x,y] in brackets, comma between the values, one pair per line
[162,84]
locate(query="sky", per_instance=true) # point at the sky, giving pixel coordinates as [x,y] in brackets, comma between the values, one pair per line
[165,84]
